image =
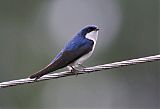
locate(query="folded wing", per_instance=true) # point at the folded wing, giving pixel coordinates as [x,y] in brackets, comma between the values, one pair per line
[64,59]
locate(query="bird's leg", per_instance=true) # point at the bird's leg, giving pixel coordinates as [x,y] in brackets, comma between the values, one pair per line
[73,70]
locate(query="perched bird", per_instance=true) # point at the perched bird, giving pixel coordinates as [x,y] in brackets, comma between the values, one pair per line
[75,52]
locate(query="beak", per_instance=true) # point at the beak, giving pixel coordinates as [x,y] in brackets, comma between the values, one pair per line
[97,29]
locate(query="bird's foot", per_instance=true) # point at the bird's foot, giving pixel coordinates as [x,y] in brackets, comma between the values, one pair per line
[75,71]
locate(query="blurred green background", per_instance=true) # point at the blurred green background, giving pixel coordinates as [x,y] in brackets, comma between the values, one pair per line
[32,32]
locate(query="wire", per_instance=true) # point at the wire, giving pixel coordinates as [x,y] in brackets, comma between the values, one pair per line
[84,71]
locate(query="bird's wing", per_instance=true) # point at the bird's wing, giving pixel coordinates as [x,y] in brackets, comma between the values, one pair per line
[64,58]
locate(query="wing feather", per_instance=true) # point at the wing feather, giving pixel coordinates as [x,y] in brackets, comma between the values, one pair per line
[65,58]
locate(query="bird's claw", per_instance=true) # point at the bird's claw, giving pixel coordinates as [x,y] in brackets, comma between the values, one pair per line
[73,70]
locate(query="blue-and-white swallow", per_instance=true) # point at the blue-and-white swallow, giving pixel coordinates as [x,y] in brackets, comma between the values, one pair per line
[74,53]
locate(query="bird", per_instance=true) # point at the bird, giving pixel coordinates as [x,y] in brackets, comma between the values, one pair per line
[74,53]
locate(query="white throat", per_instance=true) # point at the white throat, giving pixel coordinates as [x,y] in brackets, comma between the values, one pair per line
[92,36]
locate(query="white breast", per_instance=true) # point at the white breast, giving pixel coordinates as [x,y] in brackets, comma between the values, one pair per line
[92,36]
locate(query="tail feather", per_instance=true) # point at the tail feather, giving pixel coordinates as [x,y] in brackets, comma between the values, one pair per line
[49,68]
[38,74]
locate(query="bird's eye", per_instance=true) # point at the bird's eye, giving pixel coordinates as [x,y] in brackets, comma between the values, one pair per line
[90,29]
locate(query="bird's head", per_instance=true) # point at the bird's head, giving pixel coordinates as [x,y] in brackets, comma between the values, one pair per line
[90,32]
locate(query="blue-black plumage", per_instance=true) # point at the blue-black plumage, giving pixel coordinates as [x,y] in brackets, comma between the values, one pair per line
[75,52]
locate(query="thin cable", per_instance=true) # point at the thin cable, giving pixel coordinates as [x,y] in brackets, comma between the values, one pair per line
[84,71]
